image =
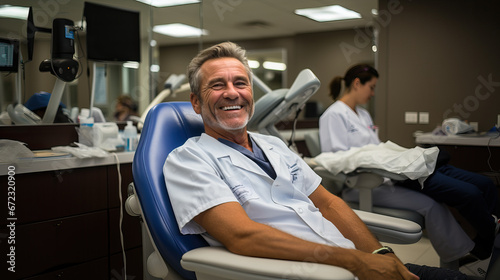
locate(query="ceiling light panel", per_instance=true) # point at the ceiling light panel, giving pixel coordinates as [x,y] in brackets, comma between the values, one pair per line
[168,3]
[179,30]
[8,11]
[328,13]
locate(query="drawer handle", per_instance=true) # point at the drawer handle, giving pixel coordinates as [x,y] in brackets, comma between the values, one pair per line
[59,223]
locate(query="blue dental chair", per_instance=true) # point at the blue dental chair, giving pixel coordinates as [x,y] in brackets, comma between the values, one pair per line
[177,256]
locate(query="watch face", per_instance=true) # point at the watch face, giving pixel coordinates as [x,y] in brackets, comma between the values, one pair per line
[387,250]
[384,250]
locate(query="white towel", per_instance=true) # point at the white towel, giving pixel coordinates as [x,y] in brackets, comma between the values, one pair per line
[415,163]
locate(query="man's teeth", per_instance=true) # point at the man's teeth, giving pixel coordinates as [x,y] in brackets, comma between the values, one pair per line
[231,108]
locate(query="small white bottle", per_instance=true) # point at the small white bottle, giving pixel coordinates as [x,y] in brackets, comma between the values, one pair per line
[86,133]
[130,137]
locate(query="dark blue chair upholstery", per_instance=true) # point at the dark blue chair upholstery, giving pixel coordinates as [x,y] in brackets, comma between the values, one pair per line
[167,126]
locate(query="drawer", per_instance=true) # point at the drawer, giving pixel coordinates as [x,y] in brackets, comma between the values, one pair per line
[56,244]
[95,270]
[55,194]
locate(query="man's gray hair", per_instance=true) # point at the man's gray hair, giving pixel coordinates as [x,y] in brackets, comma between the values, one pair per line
[226,49]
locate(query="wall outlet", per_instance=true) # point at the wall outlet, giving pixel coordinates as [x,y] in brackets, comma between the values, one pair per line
[423,117]
[474,125]
[411,117]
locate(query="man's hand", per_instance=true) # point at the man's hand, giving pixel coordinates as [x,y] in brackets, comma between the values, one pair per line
[384,267]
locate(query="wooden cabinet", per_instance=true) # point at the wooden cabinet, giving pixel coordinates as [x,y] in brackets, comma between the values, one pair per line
[68,225]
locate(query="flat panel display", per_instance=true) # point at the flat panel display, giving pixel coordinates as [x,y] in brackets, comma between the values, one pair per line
[113,34]
[9,55]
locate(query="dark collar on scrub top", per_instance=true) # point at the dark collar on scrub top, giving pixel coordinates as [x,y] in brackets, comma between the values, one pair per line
[257,156]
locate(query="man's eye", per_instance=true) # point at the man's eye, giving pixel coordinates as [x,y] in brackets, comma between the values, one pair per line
[241,84]
[217,86]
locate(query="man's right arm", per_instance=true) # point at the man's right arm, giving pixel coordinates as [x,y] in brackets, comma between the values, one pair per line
[230,225]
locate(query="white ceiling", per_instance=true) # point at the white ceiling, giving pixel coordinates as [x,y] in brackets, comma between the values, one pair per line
[224,19]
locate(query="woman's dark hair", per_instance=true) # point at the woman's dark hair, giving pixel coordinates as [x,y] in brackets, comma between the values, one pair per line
[362,71]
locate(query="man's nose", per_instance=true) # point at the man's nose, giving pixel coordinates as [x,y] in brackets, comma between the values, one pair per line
[231,91]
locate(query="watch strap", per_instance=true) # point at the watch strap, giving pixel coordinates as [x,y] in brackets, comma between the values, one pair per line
[383,250]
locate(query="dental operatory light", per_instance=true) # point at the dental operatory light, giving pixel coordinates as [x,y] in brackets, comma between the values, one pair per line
[168,3]
[179,30]
[17,12]
[328,13]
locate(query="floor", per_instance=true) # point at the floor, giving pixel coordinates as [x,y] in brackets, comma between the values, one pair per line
[423,253]
[420,253]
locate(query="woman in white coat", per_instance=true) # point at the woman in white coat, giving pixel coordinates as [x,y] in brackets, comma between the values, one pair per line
[346,124]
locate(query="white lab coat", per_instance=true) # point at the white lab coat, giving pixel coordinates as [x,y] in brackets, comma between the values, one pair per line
[340,129]
[204,173]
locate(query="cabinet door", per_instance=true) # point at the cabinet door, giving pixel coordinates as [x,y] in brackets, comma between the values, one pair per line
[131,229]
[54,194]
[126,175]
[95,270]
[134,265]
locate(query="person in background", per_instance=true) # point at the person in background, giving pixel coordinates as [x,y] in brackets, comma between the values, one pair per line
[345,124]
[125,108]
[38,104]
[253,195]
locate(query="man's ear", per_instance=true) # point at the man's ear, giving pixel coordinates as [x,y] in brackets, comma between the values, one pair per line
[195,102]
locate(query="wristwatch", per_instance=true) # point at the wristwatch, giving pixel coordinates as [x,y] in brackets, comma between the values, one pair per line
[384,250]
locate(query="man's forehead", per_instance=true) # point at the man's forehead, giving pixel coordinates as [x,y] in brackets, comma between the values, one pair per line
[221,63]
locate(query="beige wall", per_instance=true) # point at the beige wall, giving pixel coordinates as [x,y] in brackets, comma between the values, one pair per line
[434,57]
[320,52]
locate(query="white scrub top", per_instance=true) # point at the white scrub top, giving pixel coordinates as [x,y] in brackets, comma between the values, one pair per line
[340,128]
[204,173]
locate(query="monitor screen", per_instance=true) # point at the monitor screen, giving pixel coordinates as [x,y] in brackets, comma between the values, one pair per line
[113,34]
[9,55]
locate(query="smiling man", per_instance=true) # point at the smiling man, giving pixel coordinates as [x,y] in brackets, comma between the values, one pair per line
[225,99]
[250,193]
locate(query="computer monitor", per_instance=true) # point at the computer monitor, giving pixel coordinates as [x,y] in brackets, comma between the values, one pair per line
[31,29]
[113,34]
[9,55]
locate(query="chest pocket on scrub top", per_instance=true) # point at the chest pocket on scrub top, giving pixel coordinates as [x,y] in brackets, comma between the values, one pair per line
[241,188]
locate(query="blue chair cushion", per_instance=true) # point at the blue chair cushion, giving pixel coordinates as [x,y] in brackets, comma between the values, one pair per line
[167,126]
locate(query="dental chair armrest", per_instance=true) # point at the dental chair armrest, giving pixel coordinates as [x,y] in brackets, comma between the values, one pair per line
[391,229]
[333,183]
[382,173]
[218,263]
[364,181]
[323,172]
